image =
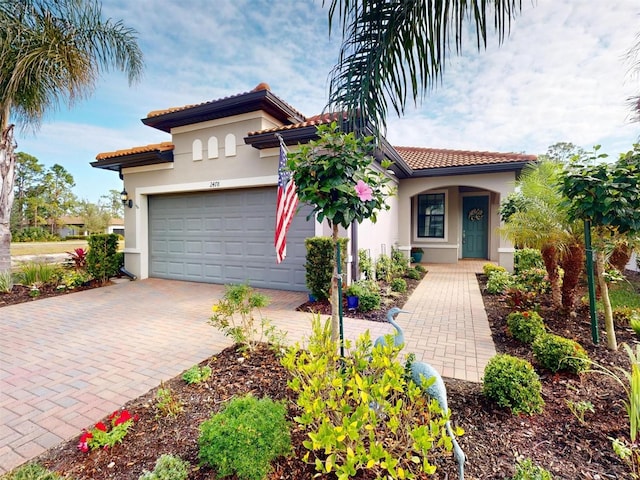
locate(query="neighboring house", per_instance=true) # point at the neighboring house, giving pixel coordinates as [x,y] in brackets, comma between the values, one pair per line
[75,226]
[203,205]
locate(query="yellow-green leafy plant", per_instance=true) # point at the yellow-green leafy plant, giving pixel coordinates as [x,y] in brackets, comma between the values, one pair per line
[512,382]
[487,268]
[362,412]
[32,471]
[527,470]
[236,314]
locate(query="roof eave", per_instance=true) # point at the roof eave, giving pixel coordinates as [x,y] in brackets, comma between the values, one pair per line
[226,107]
[116,164]
[471,169]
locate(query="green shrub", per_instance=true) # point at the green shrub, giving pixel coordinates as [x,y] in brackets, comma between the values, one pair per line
[526,259]
[197,374]
[365,264]
[34,234]
[6,282]
[167,403]
[31,471]
[420,268]
[488,268]
[399,285]
[525,326]
[533,280]
[369,301]
[102,259]
[360,412]
[556,353]
[168,467]
[526,470]
[245,437]
[75,278]
[518,298]
[413,274]
[399,263]
[512,383]
[384,268]
[499,281]
[319,264]
[356,289]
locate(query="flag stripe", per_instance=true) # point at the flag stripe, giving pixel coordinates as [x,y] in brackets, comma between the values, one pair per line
[286,204]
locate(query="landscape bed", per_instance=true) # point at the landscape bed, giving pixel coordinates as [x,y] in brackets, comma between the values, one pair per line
[493,440]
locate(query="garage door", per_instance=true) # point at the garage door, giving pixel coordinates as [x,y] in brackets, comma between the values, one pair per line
[225,237]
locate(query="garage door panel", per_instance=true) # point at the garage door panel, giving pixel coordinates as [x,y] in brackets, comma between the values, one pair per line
[225,237]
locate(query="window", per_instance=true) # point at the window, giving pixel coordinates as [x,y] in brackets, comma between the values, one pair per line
[212,147]
[196,150]
[431,215]
[229,145]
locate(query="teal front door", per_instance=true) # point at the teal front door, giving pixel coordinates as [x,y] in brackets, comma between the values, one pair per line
[475,212]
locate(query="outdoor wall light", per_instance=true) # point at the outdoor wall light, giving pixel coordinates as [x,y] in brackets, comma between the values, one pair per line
[124,196]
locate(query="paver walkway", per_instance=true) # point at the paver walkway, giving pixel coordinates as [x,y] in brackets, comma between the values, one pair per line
[66,362]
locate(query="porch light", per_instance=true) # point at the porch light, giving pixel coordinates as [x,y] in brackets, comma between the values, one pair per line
[126,201]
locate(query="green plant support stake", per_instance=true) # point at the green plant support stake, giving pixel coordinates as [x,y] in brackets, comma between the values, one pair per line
[338,259]
[592,287]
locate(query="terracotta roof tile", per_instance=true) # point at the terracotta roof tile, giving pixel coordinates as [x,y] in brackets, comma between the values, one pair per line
[425,158]
[260,86]
[309,122]
[155,147]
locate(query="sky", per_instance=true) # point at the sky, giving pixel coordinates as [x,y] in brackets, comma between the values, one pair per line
[562,75]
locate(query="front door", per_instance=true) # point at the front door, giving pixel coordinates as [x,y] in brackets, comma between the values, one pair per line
[475,211]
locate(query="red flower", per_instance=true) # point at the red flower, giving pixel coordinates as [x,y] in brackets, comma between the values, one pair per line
[113,415]
[83,444]
[525,314]
[101,426]
[124,416]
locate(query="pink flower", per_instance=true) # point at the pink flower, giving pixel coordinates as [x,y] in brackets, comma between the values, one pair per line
[83,444]
[364,191]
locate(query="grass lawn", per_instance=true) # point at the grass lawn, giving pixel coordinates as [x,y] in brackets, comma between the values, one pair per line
[45,248]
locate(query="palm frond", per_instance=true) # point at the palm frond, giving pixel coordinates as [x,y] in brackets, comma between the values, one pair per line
[396,49]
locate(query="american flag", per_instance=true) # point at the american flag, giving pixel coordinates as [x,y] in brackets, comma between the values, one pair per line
[286,205]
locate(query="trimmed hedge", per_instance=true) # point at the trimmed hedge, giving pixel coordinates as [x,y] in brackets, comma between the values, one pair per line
[319,265]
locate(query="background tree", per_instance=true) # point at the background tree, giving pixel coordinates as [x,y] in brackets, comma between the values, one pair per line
[112,203]
[336,176]
[50,51]
[58,195]
[608,196]
[28,178]
[95,217]
[395,49]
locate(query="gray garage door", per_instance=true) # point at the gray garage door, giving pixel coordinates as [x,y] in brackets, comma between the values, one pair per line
[225,237]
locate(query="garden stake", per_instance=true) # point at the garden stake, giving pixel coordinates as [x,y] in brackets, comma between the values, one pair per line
[592,288]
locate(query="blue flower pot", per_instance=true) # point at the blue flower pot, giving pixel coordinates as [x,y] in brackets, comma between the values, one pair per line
[352,302]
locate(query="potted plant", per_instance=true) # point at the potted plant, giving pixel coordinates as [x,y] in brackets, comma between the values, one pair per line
[416,254]
[353,292]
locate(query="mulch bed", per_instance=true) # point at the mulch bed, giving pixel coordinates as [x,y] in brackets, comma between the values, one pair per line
[493,438]
[22,294]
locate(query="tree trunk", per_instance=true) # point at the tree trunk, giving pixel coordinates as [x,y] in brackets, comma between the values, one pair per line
[7,173]
[550,259]
[335,305]
[573,265]
[612,343]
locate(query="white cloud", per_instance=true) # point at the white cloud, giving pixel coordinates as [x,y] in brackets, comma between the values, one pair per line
[561,75]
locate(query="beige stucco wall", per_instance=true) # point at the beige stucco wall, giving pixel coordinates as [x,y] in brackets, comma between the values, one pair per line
[448,250]
[247,168]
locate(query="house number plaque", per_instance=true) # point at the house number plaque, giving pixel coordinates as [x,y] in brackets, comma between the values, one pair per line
[214,184]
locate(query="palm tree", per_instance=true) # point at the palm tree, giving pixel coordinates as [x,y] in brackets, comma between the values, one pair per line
[51,51]
[395,48]
[542,222]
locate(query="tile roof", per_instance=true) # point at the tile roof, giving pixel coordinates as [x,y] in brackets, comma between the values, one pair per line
[259,87]
[154,147]
[309,122]
[426,158]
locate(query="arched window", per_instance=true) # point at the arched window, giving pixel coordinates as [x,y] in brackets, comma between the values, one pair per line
[230,145]
[196,150]
[212,147]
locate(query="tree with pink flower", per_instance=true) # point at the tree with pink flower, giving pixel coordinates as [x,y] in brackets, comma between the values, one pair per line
[338,176]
